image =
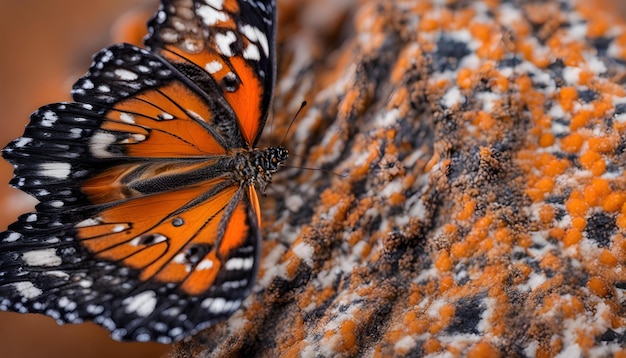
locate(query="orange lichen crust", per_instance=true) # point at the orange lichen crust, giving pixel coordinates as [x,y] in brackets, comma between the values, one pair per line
[470,193]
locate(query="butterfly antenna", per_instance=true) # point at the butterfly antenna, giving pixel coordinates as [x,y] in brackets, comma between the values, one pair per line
[304,103]
[318,170]
[282,142]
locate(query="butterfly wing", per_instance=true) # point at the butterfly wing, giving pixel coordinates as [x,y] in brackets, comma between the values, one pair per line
[232,41]
[141,226]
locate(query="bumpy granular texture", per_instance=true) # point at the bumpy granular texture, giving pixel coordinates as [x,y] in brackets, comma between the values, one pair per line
[469,196]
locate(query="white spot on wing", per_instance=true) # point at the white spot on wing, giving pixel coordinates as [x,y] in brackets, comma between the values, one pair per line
[161,17]
[87,84]
[211,16]
[119,334]
[21,142]
[89,222]
[143,69]
[12,237]
[95,309]
[76,132]
[142,304]
[49,118]
[45,257]
[125,75]
[252,53]
[55,170]
[205,264]
[66,304]
[219,305]
[127,117]
[233,285]
[176,331]
[166,116]
[224,41]
[85,283]
[119,228]
[106,56]
[218,4]
[56,273]
[99,144]
[256,35]
[56,203]
[27,290]
[142,337]
[238,263]
[180,258]
[213,67]
[134,138]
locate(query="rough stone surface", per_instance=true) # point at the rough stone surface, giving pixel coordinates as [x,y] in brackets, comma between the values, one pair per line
[469,196]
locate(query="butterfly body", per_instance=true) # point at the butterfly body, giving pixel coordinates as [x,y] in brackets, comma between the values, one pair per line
[148,220]
[257,165]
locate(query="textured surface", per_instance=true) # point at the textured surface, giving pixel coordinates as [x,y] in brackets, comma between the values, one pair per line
[482,209]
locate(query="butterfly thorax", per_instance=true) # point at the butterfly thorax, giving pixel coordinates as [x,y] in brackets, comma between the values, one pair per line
[256,166]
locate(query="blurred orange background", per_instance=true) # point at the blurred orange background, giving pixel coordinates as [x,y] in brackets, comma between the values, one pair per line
[46,46]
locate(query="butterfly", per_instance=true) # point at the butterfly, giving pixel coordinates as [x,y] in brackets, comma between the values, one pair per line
[148,217]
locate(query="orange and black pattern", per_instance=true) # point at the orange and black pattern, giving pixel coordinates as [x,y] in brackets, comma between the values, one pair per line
[148,221]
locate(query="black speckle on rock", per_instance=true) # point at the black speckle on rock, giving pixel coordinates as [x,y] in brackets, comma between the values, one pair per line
[467,315]
[448,54]
[587,95]
[600,228]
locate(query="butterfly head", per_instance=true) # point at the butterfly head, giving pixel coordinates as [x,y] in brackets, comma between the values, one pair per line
[274,156]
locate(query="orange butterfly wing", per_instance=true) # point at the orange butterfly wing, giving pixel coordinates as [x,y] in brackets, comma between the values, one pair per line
[168,243]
